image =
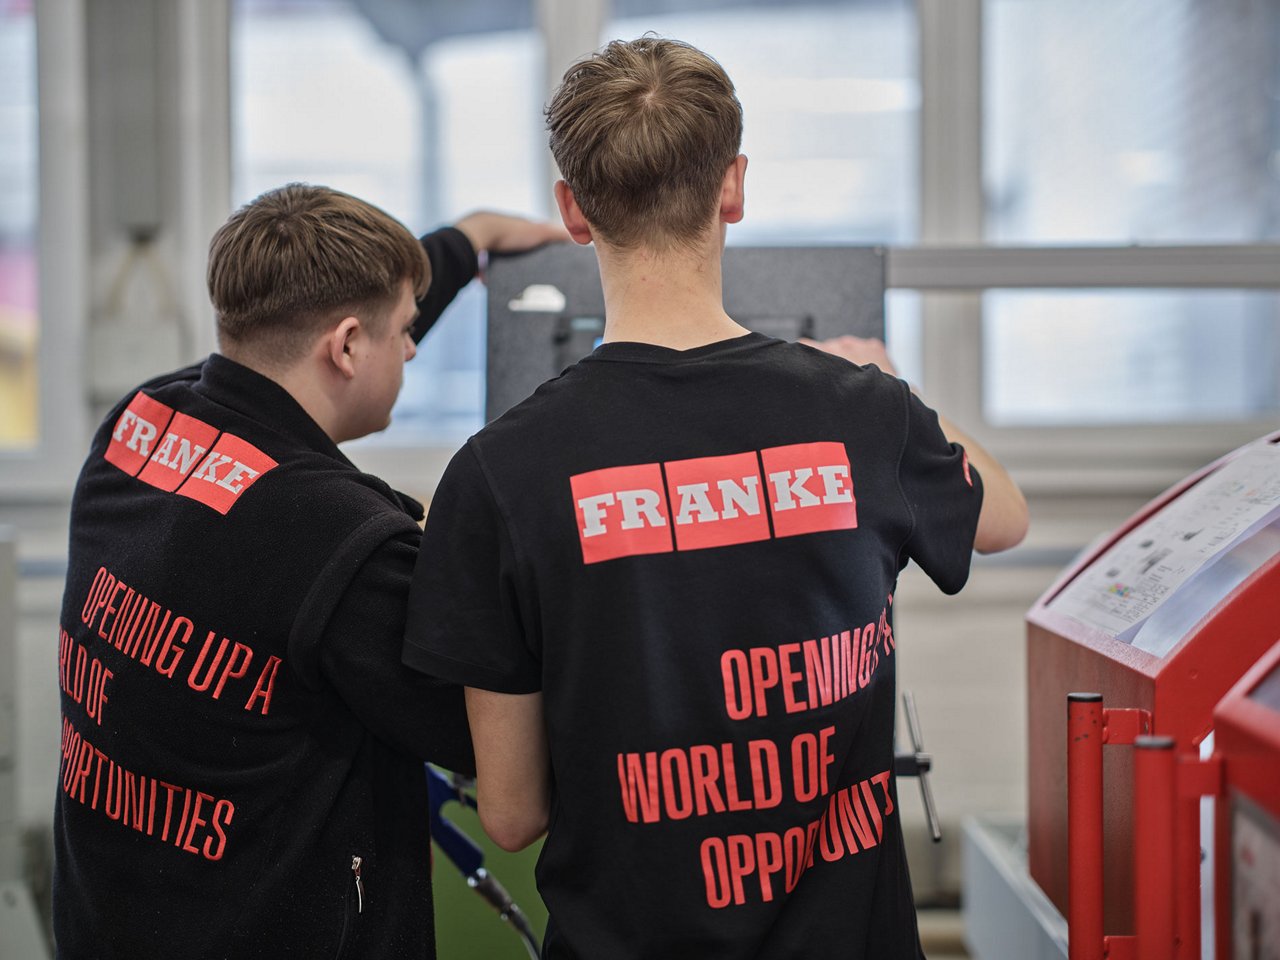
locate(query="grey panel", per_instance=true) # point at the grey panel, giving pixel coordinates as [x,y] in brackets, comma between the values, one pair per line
[1006,914]
[785,292]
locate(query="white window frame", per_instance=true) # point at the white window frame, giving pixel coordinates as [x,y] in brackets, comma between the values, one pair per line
[47,470]
[953,266]
[196,161]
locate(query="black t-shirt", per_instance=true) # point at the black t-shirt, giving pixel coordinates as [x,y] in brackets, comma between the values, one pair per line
[693,555]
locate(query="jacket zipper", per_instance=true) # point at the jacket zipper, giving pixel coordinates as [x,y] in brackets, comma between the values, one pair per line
[356,863]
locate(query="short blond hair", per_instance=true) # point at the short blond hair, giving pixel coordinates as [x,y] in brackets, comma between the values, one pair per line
[301,257]
[643,132]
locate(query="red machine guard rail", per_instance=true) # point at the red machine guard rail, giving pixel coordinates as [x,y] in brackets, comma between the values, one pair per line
[1089,726]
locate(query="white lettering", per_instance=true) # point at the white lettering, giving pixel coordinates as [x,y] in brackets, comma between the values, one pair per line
[835,480]
[791,493]
[188,453]
[209,469]
[235,473]
[693,497]
[143,433]
[161,456]
[122,424]
[638,505]
[593,513]
[746,496]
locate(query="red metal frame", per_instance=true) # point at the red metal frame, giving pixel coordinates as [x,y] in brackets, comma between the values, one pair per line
[1154,776]
[1084,826]
[1090,726]
[1179,691]
[1247,739]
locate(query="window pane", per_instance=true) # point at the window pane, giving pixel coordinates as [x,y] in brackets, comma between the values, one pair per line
[428,132]
[19,321]
[1132,120]
[830,96]
[1112,357]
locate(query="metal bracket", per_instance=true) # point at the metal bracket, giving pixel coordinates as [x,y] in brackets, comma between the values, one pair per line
[1123,725]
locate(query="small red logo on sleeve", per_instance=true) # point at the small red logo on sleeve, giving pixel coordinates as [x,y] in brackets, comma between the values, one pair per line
[717,501]
[136,433]
[621,511]
[229,469]
[185,442]
[810,488]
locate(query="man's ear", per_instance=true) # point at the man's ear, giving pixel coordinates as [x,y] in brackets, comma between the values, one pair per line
[570,213]
[339,343]
[731,190]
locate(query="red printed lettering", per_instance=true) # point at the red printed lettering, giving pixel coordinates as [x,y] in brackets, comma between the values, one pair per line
[717,501]
[803,676]
[185,441]
[266,684]
[229,469]
[713,501]
[621,512]
[811,488]
[702,779]
[136,429]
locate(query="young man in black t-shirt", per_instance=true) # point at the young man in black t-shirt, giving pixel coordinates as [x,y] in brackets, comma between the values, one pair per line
[241,745]
[667,578]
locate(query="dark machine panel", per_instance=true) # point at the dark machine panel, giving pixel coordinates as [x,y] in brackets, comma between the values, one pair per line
[546,308]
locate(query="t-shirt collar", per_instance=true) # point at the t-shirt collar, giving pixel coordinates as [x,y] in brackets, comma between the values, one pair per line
[634,352]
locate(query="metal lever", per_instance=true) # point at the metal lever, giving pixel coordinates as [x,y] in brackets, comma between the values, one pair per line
[917,763]
[467,856]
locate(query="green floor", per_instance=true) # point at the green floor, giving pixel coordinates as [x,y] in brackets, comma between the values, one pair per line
[467,928]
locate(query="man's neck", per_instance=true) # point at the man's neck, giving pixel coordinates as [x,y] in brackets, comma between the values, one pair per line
[299,383]
[672,299]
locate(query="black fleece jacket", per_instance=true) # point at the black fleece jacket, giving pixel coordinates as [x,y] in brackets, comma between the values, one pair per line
[241,746]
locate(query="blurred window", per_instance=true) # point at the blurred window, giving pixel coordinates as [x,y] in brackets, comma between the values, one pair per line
[427,127]
[1118,121]
[831,100]
[1129,356]
[19,319]
[830,96]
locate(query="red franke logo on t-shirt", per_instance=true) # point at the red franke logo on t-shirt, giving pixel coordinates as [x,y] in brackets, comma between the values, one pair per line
[713,501]
[179,454]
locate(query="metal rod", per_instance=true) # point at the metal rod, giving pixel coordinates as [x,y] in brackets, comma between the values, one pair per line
[1084,826]
[1154,771]
[922,774]
[1187,849]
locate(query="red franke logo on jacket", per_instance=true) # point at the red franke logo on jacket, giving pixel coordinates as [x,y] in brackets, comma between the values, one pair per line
[179,454]
[713,501]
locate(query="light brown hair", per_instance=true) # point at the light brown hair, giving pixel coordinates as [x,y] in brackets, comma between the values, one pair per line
[301,257]
[643,132]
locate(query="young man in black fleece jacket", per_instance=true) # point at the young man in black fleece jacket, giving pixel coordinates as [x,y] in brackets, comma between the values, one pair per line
[241,747]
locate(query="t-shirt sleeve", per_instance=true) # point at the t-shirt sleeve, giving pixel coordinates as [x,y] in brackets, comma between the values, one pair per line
[464,621]
[943,494]
[359,656]
[453,266]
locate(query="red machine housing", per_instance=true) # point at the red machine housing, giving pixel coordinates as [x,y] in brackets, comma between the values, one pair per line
[1247,830]
[1179,690]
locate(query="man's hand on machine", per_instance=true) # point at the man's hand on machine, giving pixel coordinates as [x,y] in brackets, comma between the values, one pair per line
[859,350]
[499,233]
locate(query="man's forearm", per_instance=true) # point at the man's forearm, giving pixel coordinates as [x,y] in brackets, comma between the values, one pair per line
[513,767]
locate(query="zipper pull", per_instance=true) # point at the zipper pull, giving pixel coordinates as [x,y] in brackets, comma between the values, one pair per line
[355,868]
